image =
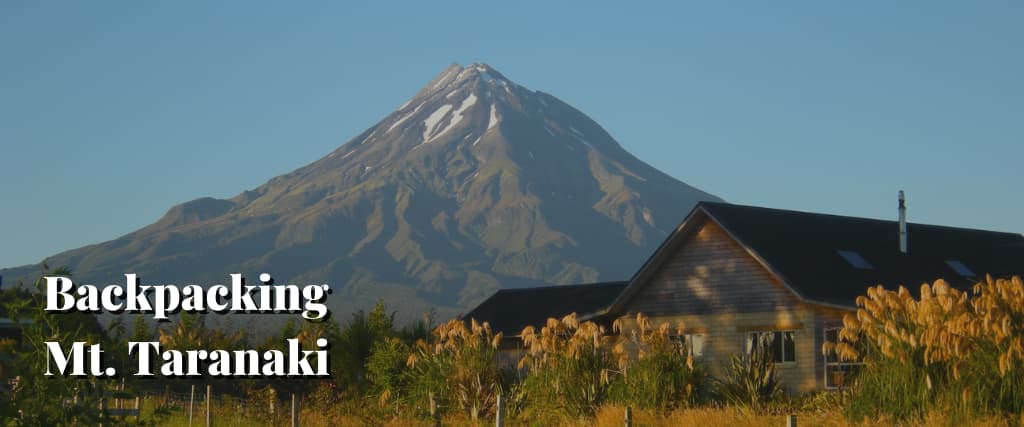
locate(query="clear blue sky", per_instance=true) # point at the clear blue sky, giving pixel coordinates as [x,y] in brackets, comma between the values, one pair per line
[111,112]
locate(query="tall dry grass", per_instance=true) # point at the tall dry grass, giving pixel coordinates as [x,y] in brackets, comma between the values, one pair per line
[962,351]
[657,370]
[569,366]
[459,367]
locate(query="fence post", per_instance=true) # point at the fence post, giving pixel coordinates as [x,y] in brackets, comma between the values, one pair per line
[629,416]
[209,412]
[499,412]
[434,413]
[791,421]
[295,411]
[191,404]
[138,408]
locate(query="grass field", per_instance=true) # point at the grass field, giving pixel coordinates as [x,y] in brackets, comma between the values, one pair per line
[607,416]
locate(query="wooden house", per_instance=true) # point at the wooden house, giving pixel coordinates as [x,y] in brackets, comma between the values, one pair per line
[731,273]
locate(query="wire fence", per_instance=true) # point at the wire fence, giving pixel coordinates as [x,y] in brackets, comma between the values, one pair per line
[202,405]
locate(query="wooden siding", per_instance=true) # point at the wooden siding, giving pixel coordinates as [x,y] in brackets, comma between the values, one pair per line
[711,273]
[725,336]
[713,285]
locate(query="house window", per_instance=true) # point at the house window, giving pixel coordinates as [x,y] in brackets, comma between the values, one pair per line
[838,373]
[781,344]
[960,268]
[691,344]
[855,260]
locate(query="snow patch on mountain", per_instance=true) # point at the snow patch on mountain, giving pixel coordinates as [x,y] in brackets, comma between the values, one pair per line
[433,119]
[493,121]
[456,117]
[404,118]
[466,103]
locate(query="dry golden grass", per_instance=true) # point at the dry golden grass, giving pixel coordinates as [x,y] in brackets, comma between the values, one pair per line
[946,349]
[565,337]
[612,416]
[647,339]
[464,356]
[946,323]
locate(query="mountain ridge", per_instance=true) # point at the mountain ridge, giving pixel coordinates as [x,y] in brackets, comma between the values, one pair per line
[474,184]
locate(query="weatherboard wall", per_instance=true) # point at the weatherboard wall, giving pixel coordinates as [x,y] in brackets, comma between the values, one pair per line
[717,289]
[711,273]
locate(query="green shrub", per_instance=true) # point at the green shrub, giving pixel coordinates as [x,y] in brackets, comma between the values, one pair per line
[570,366]
[661,373]
[961,352]
[459,367]
[750,380]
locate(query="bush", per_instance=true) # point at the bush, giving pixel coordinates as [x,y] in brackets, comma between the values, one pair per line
[569,365]
[750,380]
[945,350]
[459,367]
[663,373]
[387,372]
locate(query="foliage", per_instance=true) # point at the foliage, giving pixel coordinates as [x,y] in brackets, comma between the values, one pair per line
[141,332]
[459,365]
[190,332]
[663,372]
[947,356]
[355,342]
[569,365]
[946,349]
[750,380]
[38,399]
[419,330]
[387,372]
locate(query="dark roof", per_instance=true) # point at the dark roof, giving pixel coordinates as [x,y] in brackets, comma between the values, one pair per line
[511,310]
[802,249]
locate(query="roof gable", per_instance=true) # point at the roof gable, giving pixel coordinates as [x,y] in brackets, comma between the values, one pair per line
[803,251]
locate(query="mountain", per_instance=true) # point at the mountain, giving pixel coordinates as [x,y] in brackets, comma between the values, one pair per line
[474,184]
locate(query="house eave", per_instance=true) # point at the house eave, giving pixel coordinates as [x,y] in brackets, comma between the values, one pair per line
[698,217]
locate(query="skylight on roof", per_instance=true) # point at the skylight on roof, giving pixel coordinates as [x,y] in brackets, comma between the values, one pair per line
[960,268]
[855,260]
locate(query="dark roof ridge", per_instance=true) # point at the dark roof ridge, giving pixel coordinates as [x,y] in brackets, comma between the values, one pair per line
[850,217]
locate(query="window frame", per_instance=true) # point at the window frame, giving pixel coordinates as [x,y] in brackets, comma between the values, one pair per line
[832,363]
[685,344]
[754,336]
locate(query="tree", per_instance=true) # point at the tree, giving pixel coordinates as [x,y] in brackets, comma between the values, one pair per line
[356,342]
[56,399]
[141,332]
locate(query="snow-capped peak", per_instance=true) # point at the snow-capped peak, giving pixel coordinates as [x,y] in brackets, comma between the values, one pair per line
[456,75]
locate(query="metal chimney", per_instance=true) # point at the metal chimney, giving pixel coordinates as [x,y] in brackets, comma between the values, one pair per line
[903,224]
